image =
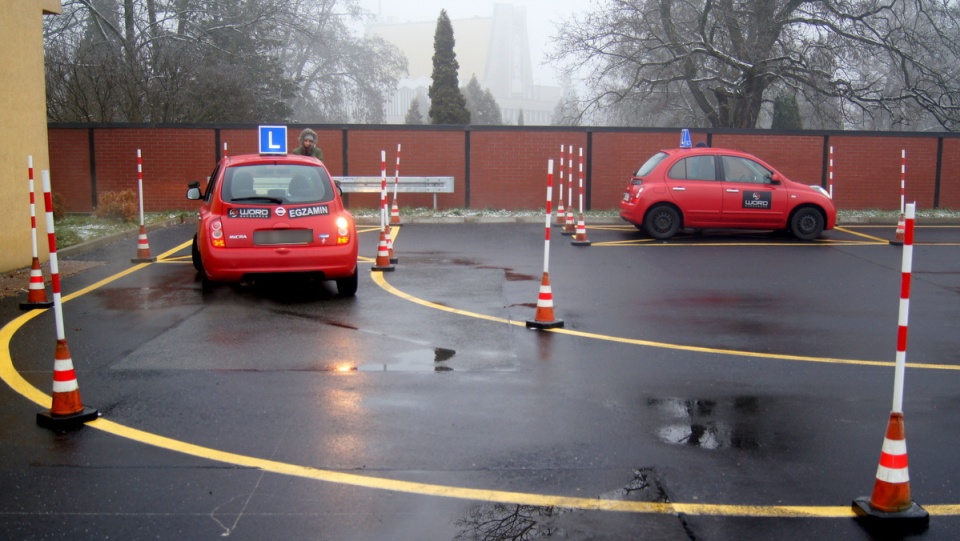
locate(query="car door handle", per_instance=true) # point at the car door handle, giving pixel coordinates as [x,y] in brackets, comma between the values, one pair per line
[679,189]
[733,190]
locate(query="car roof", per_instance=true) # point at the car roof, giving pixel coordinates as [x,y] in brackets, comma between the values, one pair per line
[259,159]
[697,151]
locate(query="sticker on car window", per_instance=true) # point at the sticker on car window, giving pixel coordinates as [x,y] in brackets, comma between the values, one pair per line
[757,200]
[315,210]
[246,212]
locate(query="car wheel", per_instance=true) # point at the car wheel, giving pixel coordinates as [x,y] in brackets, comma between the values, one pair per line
[347,287]
[662,222]
[195,255]
[807,223]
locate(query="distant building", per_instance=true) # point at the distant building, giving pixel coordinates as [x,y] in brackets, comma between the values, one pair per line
[495,49]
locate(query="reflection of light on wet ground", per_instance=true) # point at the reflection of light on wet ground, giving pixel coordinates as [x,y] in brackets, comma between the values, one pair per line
[708,424]
[419,360]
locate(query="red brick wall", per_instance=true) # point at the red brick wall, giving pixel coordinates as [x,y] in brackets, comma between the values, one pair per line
[508,166]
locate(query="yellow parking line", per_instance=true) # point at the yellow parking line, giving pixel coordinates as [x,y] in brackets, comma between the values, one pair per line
[16,382]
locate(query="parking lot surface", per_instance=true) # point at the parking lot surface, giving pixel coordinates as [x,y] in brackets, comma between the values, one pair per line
[716,386]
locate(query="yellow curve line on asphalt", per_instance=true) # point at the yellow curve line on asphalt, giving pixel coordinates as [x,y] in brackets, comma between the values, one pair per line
[16,382]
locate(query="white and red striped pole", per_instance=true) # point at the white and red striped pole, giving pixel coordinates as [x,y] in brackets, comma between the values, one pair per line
[143,245]
[903,179]
[66,406]
[830,170]
[580,237]
[901,226]
[395,209]
[561,212]
[890,500]
[36,292]
[225,154]
[382,262]
[544,317]
[568,225]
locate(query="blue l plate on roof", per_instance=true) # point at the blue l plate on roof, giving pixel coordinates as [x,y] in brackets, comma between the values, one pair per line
[273,139]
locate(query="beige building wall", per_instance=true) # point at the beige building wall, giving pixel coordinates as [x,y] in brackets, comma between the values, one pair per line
[23,127]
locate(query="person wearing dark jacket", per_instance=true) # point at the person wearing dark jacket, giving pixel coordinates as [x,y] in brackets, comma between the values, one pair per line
[308,145]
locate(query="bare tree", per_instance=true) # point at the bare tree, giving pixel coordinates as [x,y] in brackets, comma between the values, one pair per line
[215,60]
[720,62]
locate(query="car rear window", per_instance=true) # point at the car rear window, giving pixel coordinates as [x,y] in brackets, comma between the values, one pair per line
[277,184]
[650,164]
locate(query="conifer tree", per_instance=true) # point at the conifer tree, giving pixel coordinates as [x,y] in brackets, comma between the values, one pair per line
[447,104]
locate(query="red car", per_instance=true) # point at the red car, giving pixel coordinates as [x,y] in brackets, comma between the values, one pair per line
[269,214]
[716,188]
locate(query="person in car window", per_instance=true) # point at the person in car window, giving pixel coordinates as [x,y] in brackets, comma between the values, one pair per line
[308,145]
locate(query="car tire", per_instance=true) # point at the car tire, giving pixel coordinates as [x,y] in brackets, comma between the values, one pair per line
[662,222]
[347,287]
[806,223]
[195,256]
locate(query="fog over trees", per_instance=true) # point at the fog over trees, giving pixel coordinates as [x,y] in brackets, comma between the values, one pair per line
[862,64]
[853,64]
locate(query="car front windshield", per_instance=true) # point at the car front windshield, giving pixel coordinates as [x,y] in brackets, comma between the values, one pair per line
[277,184]
[650,164]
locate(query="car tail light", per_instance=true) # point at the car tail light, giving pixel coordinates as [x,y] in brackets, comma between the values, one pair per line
[216,233]
[343,230]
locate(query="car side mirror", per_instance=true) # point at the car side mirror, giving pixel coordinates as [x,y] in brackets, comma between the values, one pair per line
[775,179]
[193,191]
[339,187]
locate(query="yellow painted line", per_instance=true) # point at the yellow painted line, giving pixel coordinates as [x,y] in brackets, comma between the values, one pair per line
[16,382]
[381,281]
[858,234]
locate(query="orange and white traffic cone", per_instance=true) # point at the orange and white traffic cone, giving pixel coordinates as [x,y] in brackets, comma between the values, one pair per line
[580,238]
[395,213]
[561,213]
[143,248]
[383,254]
[36,293]
[901,231]
[393,257]
[891,491]
[67,409]
[545,317]
[569,228]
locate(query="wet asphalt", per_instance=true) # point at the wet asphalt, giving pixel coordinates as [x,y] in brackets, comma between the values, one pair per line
[743,371]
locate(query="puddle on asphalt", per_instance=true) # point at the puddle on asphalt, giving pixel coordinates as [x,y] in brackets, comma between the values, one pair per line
[502,522]
[147,298]
[419,360]
[708,424]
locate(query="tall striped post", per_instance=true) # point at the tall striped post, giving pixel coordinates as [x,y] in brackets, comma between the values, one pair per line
[890,502]
[830,171]
[143,245]
[544,317]
[382,262]
[225,154]
[901,225]
[568,225]
[36,292]
[580,237]
[561,211]
[66,409]
[395,209]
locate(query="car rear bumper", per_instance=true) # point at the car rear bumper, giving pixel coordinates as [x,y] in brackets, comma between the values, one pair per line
[233,264]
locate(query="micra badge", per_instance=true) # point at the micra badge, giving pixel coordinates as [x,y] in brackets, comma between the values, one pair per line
[323,238]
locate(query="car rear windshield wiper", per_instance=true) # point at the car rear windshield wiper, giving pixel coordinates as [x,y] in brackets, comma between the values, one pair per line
[274,200]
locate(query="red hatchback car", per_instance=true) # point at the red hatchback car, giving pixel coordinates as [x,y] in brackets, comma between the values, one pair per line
[271,214]
[715,188]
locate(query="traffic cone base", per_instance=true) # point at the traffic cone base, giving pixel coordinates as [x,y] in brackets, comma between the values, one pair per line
[901,231]
[65,422]
[143,248]
[913,519]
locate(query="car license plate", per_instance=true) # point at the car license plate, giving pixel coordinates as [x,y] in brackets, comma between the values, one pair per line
[273,237]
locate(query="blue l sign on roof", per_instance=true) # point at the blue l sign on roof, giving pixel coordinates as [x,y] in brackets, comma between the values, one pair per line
[273,139]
